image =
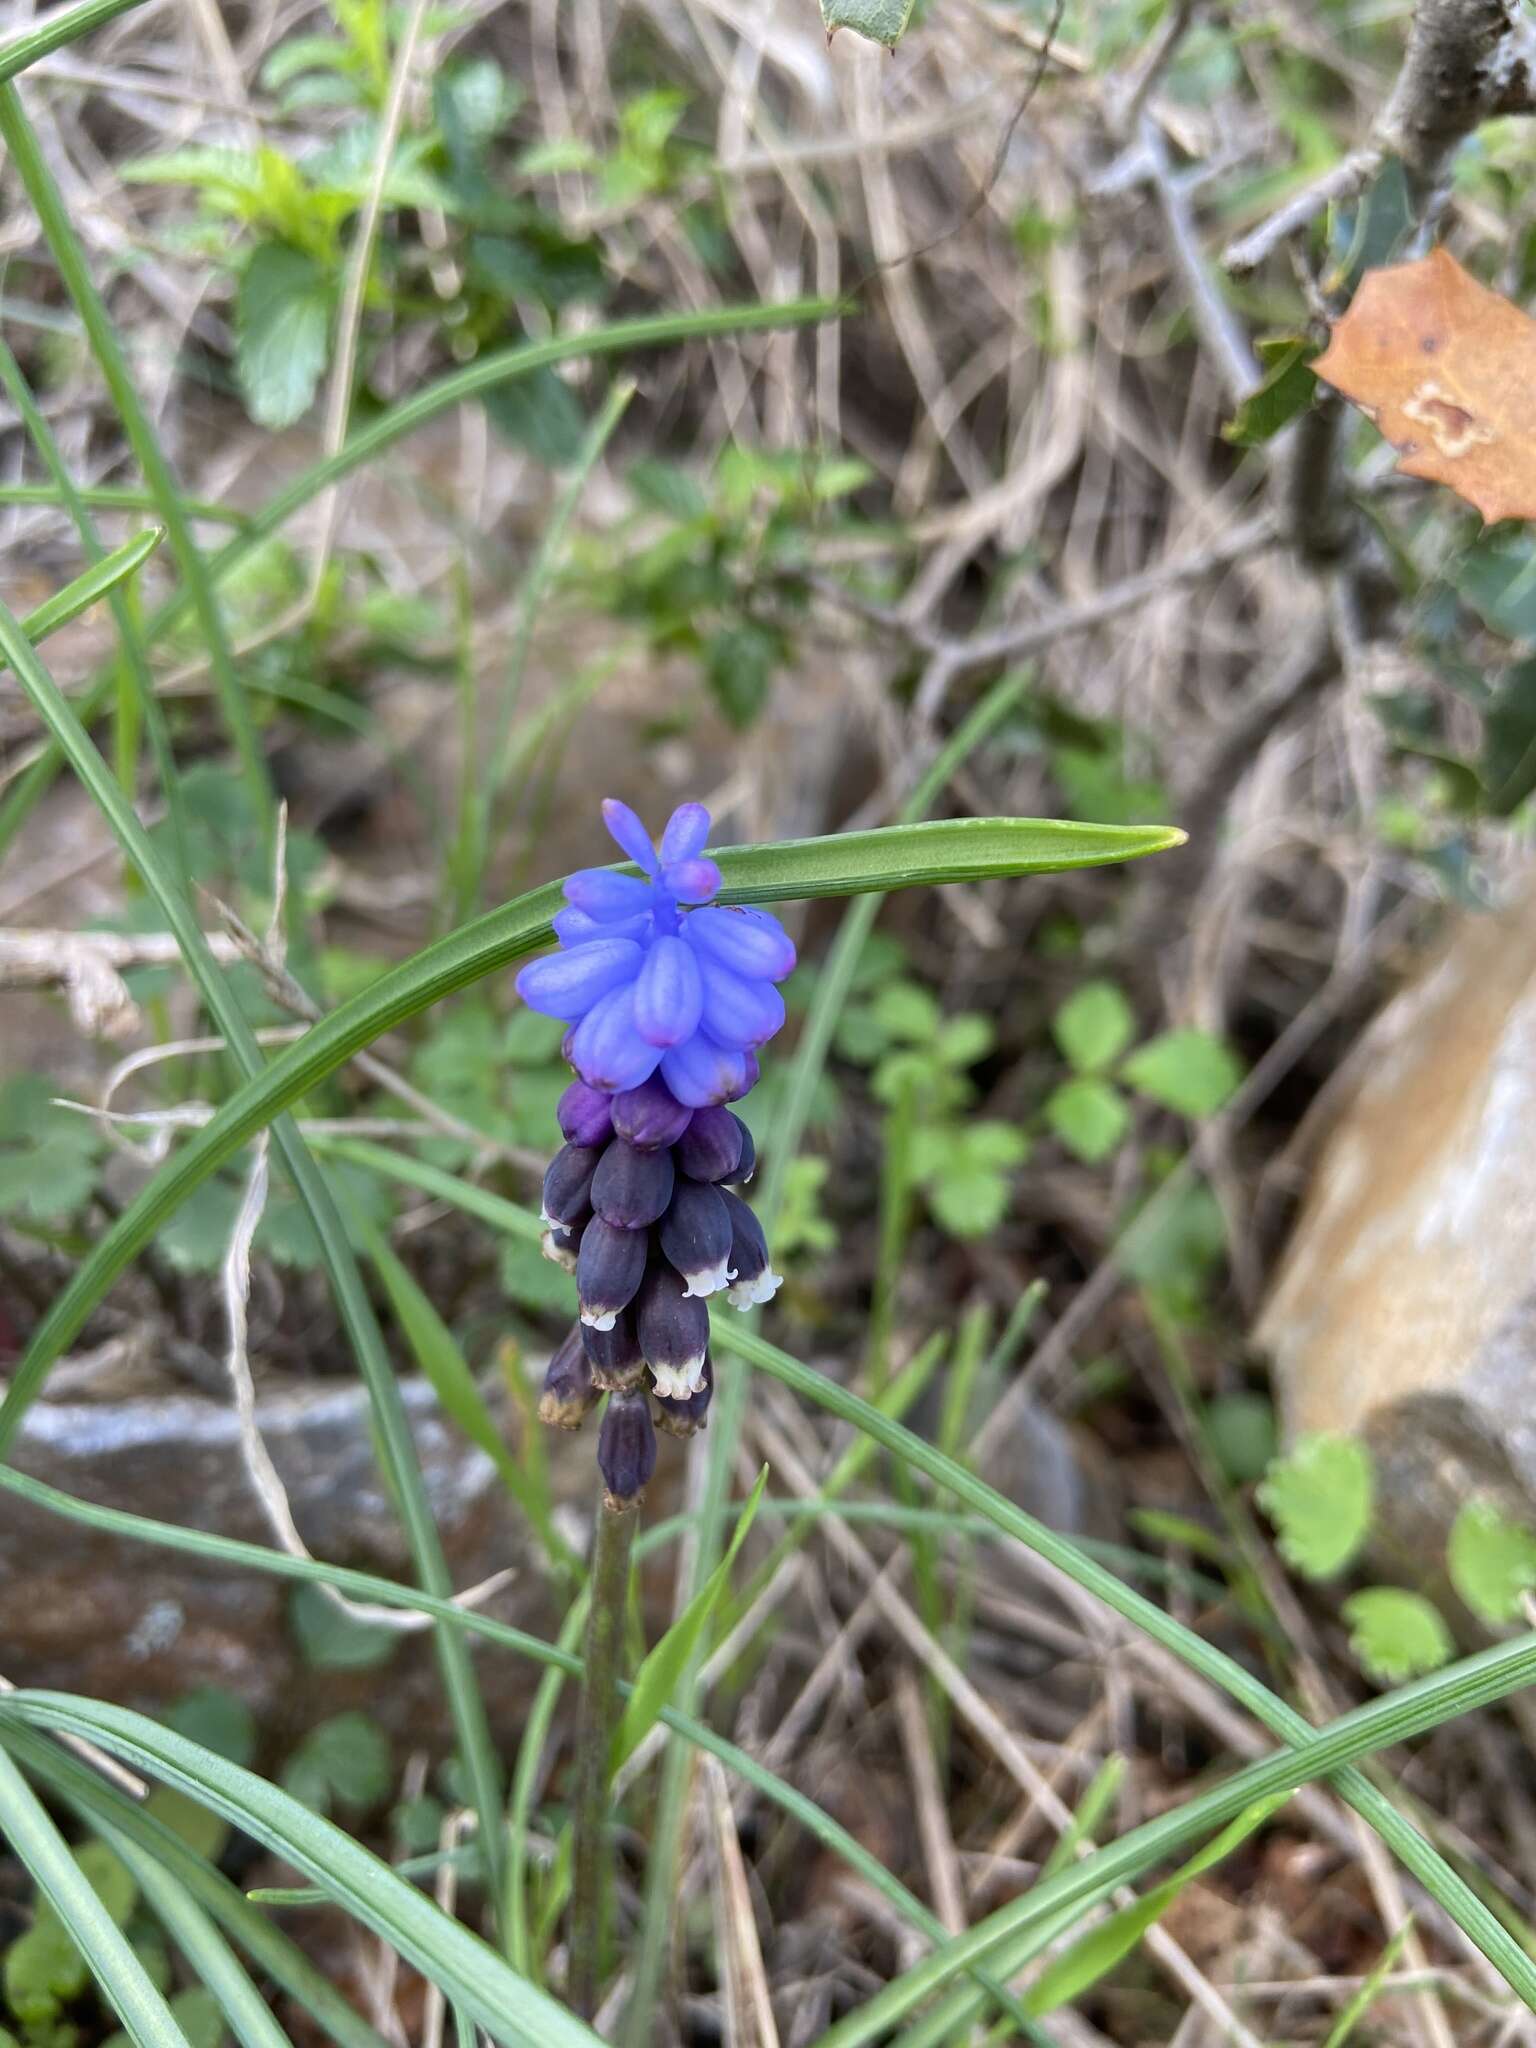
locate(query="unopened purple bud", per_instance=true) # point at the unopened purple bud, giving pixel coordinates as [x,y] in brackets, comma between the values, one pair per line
[752,1073]
[649,1117]
[674,1331]
[615,1355]
[755,1281]
[695,1234]
[568,1185]
[626,1448]
[569,1393]
[700,1071]
[710,1148]
[746,1165]
[630,1187]
[559,1247]
[685,1416]
[585,1116]
[609,1268]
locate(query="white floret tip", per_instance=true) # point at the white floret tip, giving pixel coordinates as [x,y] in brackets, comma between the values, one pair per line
[713,1280]
[753,1293]
[679,1382]
[600,1319]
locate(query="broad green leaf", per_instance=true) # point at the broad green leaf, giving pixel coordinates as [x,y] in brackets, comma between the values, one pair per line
[1184,1070]
[1089,1115]
[282,332]
[1097,1953]
[1094,1026]
[1319,1498]
[894,857]
[1492,1562]
[1284,392]
[1397,1635]
[880,21]
[657,1679]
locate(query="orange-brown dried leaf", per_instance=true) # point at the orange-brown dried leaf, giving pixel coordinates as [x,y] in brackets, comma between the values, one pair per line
[1447,371]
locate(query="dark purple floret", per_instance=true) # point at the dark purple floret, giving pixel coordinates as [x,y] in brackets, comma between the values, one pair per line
[755,1280]
[609,1268]
[695,1234]
[686,1415]
[674,1331]
[710,1148]
[584,1116]
[568,1185]
[746,1165]
[649,1117]
[615,1355]
[626,1448]
[632,1188]
[569,1393]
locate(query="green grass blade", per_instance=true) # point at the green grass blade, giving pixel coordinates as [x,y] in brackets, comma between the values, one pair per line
[98,581]
[100,1806]
[656,1680]
[396,1444]
[115,498]
[1369,1991]
[57,32]
[469,1972]
[894,858]
[1432,1870]
[53,217]
[201,1943]
[33,1838]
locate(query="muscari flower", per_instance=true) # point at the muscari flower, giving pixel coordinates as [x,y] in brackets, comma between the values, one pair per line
[667,997]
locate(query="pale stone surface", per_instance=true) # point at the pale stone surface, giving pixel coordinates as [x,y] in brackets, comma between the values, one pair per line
[1405,1306]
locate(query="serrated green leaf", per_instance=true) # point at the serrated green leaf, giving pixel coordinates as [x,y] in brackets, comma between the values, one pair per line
[1188,1071]
[1319,1498]
[880,21]
[47,1155]
[282,332]
[1089,1115]
[1492,1562]
[1396,1635]
[657,1679]
[1094,1026]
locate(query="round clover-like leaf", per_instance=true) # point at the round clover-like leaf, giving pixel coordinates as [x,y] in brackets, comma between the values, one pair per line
[1319,1498]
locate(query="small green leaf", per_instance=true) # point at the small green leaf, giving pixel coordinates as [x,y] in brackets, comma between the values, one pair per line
[346,1759]
[656,1680]
[906,1011]
[880,21]
[1319,1498]
[965,1039]
[1089,1116]
[282,332]
[1242,1433]
[1284,392]
[1396,1635]
[1492,1562]
[1093,1026]
[991,1142]
[739,663]
[1188,1071]
[330,1639]
[968,1202]
[47,1155]
[540,414]
[218,1719]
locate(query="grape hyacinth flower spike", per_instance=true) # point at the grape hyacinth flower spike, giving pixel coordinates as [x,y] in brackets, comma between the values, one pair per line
[667,997]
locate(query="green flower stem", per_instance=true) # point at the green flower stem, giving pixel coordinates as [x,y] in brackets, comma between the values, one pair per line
[596,1722]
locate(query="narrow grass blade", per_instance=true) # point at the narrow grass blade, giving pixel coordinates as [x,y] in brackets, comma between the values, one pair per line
[895,858]
[59,30]
[116,497]
[101,1806]
[53,217]
[209,1954]
[1357,2008]
[100,579]
[470,1973]
[42,1849]
[397,1450]
[656,1680]
[1068,1976]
